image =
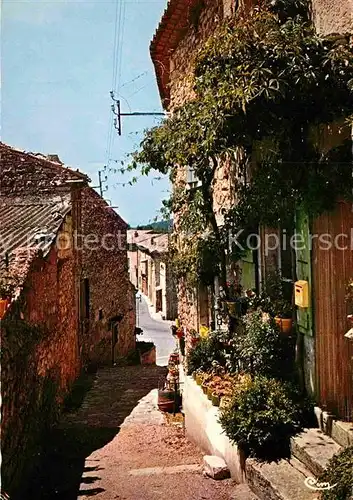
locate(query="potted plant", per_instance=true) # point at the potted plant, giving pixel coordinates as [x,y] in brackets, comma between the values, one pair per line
[284,316]
[273,301]
[233,298]
[199,377]
[180,333]
[174,358]
[205,382]
[194,337]
[209,392]
[215,399]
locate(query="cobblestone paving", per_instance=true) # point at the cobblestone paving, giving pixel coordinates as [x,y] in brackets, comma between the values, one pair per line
[117,445]
[115,394]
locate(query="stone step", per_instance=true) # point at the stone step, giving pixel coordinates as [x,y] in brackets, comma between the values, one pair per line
[314,449]
[283,480]
[342,432]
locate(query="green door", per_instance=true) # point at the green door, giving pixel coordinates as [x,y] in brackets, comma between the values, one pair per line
[303,269]
[305,331]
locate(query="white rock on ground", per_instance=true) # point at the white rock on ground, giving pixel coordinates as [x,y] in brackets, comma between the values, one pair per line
[215,467]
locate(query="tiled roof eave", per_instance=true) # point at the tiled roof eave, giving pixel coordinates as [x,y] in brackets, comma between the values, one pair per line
[171,28]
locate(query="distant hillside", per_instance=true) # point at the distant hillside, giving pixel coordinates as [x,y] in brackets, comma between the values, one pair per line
[162,226]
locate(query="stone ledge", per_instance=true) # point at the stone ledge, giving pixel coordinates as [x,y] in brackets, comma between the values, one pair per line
[342,433]
[314,449]
[283,480]
[203,428]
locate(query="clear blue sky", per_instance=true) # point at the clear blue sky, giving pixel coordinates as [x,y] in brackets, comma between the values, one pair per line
[57,71]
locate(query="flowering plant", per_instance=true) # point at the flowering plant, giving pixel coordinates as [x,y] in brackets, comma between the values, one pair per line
[234,290]
[180,333]
[193,333]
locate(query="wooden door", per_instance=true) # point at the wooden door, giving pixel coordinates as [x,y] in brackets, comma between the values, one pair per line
[332,269]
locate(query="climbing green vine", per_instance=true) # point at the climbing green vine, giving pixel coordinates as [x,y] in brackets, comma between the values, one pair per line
[264,84]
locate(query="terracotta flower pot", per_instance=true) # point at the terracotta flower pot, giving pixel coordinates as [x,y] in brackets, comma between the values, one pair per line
[215,399]
[3,306]
[284,324]
[194,341]
[174,358]
[204,388]
[209,393]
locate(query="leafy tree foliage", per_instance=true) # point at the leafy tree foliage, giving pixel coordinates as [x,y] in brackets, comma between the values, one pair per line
[263,84]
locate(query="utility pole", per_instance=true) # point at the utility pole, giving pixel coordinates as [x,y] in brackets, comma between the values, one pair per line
[100,184]
[117,112]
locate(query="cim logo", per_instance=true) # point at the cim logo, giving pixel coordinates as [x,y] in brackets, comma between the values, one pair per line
[315,485]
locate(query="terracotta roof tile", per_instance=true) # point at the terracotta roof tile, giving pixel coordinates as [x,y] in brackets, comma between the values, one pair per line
[170,31]
[30,173]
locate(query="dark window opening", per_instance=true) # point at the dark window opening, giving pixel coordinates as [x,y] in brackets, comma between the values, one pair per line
[100,314]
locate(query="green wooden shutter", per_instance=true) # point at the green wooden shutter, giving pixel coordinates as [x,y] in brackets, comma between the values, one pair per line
[247,265]
[303,268]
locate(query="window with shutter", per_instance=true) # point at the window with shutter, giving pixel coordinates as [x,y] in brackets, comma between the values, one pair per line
[191,178]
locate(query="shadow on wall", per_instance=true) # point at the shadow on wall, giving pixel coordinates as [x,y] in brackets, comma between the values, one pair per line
[110,397]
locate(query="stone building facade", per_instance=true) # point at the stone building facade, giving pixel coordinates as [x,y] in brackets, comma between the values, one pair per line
[183,29]
[150,270]
[105,272]
[71,305]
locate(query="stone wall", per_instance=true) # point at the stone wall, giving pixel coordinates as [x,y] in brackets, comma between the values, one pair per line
[333,16]
[171,306]
[39,363]
[329,16]
[181,68]
[159,277]
[183,58]
[104,265]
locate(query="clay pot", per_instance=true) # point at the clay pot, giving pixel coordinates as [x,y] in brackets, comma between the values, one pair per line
[174,358]
[194,341]
[204,388]
[284,324]
[168,401]
[209,393]
[3,306]
[215,399]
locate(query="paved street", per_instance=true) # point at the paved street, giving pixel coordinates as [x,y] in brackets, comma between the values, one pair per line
[155,330]
[117,445]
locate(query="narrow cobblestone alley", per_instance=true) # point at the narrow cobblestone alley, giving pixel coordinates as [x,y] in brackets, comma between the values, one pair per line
[117,445]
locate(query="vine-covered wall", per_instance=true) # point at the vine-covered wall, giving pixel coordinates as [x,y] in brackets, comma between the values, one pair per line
[182,63]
